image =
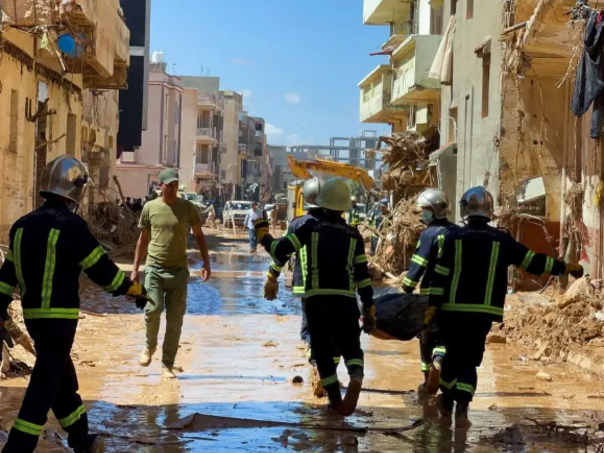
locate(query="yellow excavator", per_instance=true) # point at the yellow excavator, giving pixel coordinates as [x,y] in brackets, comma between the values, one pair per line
[302,169]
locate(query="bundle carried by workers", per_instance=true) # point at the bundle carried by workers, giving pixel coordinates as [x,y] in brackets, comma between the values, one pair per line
[336,269]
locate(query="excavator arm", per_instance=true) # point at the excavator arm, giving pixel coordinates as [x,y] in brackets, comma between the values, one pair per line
[302,169]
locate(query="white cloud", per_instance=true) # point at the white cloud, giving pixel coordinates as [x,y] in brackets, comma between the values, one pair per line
[240,62]
[247,93]
[296,139]
[293,98]
[273,133]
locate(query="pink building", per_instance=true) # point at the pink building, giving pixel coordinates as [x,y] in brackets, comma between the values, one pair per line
[138,171]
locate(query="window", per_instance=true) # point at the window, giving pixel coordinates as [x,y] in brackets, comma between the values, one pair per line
[436,21]
[202,154]
[14,122]
[486,76]
[70,142]
[166,106]
[453,7]
[164,151]
[469,9]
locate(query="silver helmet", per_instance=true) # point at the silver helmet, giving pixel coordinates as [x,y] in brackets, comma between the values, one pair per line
[66,177]
[477,202]
[437,200]
[311,191]
[335,196]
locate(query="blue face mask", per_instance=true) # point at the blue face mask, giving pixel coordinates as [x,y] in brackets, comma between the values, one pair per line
[427,217]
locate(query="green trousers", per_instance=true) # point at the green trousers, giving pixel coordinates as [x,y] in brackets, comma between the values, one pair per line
[168,288]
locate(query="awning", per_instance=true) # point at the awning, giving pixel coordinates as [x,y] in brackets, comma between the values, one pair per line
[484,48]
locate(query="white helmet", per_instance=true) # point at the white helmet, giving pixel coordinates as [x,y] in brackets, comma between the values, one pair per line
[437,200]
[353,199]
[335,196]
[476,202]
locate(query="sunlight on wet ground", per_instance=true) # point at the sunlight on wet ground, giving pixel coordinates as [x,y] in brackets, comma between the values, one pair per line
[239,354]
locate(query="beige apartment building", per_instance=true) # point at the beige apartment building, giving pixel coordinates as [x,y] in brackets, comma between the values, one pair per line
[400,92]
[232,157]
[47,103]
[138,171]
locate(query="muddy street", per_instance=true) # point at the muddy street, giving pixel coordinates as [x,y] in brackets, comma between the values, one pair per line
[239,356]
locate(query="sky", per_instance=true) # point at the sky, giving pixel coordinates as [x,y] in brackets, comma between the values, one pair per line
[297,62]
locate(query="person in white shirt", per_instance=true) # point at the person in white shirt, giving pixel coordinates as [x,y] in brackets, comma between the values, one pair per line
[250,219]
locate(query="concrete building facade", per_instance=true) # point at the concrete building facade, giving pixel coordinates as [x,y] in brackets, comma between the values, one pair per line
[232,158]
[138,171]
[47,106]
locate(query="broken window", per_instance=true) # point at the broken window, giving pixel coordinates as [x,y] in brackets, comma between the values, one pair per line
[469,9]
[486,82]
[453,7]
[202,155]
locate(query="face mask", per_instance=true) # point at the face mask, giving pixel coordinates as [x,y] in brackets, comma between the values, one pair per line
[427,217]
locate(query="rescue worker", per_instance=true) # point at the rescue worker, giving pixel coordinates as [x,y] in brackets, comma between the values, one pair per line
[376,218]
[435,207]
[354,213]
[310,191]
[472,271]
[49,248]
[336,266]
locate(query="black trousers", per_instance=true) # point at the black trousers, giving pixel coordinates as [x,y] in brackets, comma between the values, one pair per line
[333,322]
[464,336]
[53,385]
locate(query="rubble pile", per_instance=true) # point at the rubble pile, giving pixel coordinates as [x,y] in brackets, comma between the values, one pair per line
[398,237]
[17,358]
[566,325]
[114,226]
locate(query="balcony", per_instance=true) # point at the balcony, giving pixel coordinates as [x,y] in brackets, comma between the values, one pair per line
[206,101]
[242,148]
[203,169]
[411,62]
[206,134]
[385,12]
[376,93]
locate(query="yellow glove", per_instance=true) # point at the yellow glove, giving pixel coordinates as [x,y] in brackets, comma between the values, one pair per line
[136,290]
[369,320]
[261,227]
[429,316]
[271,287]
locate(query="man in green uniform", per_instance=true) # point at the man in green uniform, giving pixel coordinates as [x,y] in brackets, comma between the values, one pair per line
[164,224]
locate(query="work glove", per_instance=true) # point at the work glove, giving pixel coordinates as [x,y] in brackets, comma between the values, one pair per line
[271,287]
[261,227]
[429,316]
[576,270]
[139,294]
[369,319]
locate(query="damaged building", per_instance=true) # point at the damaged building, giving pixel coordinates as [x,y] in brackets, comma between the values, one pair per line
[61,64]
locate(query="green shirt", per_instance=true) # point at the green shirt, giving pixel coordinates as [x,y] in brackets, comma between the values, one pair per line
[169,225]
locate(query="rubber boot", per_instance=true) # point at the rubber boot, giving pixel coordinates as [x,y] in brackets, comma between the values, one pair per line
[433,379]
[335,399]
[317,387]
[353,392]
[445,403]
[461,416]
[422,390]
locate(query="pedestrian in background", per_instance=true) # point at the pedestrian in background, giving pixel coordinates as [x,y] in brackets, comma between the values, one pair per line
[250,221]
[164,225]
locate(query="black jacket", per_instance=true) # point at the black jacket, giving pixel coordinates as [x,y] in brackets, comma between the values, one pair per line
[423,262]
[49,248]
[300,260]
[336,262]
[473,269]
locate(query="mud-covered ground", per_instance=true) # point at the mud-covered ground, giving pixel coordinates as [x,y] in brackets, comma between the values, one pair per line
[239,355]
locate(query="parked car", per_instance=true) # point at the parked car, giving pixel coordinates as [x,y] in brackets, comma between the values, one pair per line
[235,212]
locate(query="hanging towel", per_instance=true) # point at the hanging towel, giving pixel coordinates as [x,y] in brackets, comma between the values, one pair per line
[442,67]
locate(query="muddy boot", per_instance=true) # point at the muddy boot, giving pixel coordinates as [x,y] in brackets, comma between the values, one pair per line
[461,416]
[422,389]
[317,387]
[335,400]
[433,379]
[353,392]
[98,446]
[444,403]
[145,357]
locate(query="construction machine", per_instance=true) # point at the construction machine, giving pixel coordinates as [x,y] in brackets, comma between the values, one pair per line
[302,169]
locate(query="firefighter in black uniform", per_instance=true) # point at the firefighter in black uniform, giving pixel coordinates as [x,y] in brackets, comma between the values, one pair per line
[435,207]
[473,273]
[336,268]
[375,219]
[49,248]
[311,191]
[354,213]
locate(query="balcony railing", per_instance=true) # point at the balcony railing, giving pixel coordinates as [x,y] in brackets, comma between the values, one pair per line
[203,168]
[206,100]
[412,61]
[375,97]
[207,133]
[102,40]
